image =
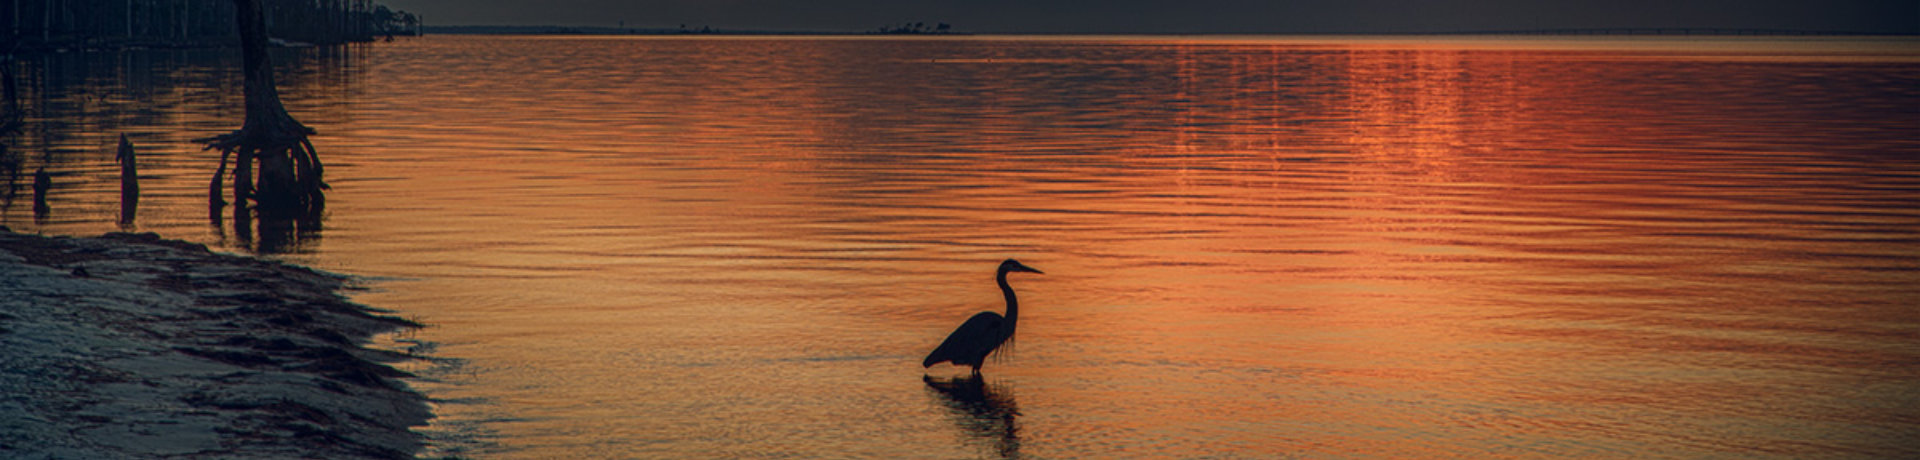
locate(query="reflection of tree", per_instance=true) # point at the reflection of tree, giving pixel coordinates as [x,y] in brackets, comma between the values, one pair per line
[10,122]
[10,116]
[280,235]
[985,412]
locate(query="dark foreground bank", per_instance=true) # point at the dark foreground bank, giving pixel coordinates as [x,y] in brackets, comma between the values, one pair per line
[130,346]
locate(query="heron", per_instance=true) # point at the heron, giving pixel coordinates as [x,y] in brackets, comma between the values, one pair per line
[985,331]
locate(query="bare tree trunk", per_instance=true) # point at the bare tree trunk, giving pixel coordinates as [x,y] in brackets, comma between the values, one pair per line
[267,119]
[290,180]
[11,119]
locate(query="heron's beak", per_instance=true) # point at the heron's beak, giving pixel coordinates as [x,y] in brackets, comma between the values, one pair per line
[1029,269]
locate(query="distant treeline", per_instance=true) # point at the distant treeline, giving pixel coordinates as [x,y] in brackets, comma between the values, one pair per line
[914,28]
[1712,31]
[47,24]
[910,28]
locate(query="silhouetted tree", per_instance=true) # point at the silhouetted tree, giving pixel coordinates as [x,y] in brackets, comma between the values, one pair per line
[412,21]
[289,182]
[50,23]
[387,21]
[913,28]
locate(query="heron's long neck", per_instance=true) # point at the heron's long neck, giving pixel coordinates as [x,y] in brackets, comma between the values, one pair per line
[1013,304]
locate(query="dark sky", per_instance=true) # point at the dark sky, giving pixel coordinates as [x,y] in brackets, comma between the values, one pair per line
[1185,16]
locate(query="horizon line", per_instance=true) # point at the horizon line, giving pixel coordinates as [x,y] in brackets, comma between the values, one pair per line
[705,30]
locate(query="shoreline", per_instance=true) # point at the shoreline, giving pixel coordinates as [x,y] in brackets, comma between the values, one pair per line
[132,346]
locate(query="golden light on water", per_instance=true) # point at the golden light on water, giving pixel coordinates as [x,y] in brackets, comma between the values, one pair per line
[1253,247]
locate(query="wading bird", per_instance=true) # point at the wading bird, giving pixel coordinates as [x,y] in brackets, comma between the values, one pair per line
[984,332]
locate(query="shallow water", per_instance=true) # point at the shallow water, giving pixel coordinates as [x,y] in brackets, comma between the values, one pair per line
[1254,246]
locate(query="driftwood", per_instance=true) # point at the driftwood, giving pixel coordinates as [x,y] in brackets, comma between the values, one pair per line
[289,182]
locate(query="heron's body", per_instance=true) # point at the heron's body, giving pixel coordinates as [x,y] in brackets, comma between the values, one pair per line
[976,339]
[982,334]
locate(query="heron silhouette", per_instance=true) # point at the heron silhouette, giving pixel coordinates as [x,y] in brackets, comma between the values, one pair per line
[982,334]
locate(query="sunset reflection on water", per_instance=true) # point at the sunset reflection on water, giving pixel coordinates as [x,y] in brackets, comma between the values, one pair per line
[1253,246]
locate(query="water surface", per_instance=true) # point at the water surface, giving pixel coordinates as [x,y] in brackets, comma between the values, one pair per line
[1255,246]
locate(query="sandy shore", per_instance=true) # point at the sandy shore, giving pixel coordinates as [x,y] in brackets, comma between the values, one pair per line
[130,346]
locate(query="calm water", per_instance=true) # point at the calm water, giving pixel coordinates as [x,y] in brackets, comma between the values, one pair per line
[1255,247]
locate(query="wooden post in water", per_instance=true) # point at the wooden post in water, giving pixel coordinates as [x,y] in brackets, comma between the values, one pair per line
[129,182]
[42,182]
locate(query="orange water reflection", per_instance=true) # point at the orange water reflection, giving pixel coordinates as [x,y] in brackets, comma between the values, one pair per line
[1253,248]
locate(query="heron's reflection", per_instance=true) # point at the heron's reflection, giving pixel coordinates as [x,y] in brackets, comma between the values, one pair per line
[985,412]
